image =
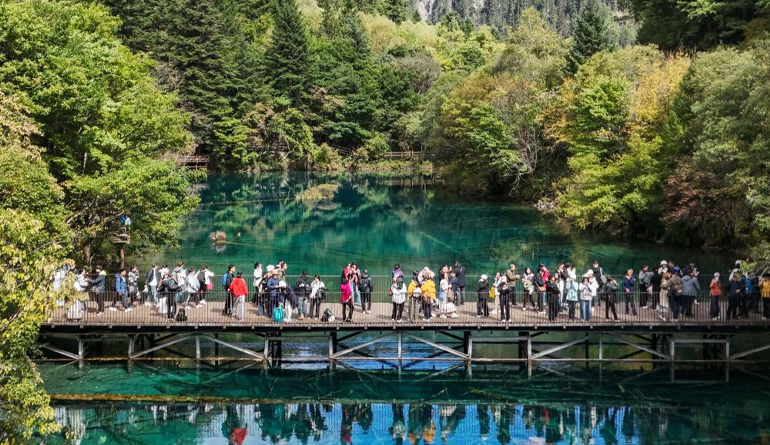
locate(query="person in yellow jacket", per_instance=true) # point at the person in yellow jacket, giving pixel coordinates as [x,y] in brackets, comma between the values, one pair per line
[764,290]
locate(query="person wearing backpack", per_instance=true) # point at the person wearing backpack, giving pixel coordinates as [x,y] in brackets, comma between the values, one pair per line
[610,291]
[274,292]
[302,291]
[169,289]
[227,282]
[672,284]
[365,288]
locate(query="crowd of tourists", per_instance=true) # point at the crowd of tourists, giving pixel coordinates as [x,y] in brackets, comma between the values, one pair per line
[669,290]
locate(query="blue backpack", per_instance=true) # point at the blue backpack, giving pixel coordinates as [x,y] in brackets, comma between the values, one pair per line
[278,315]
[224,279]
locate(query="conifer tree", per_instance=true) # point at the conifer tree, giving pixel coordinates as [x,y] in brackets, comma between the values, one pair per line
[288,57]
[593,32]
[395,10]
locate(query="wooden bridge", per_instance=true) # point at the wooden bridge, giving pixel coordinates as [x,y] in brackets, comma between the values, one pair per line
[529,336]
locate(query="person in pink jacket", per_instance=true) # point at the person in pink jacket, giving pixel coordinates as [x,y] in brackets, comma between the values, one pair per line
[347,298]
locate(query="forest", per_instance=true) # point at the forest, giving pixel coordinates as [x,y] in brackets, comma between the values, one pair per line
[639,118]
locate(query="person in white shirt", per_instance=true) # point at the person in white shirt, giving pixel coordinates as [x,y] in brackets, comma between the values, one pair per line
[206,285]
[192,289]
[257,281]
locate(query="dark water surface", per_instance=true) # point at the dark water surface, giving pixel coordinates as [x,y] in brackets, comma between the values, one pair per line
[379,221]
[181,404]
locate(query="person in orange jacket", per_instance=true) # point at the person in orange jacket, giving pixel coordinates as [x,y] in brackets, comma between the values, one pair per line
[239,290]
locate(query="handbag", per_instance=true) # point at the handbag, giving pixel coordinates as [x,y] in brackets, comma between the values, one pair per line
[450,297]
[210,285]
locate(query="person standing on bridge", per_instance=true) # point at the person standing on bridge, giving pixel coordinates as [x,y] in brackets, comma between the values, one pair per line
[552,296]
[734,291]
[512,277]
[610,292]
[586,297]
[303,290]
[764,289]
[192,289]
[629,283]
[690,290]
[459,271]
[482,297]
[256,282]
[398,298]
[673,286]
[152,280]
[715,291]
[121,292]
[96,287]
[240,291]
[227,282]
[644,286]
[346,297]
[365,288]
[317,292]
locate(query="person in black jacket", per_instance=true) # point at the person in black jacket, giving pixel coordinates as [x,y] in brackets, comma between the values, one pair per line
[552,294]
[227,282]
[610,291]
[302,289]
[655,282]
[459,271]
[734,291]
[482,297]
[365,287]
[169,288]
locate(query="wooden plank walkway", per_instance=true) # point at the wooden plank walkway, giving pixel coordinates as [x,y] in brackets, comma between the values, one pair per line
[210,316]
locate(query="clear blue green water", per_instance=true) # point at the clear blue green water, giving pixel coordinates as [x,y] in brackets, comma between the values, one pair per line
[378,221]
[493,405]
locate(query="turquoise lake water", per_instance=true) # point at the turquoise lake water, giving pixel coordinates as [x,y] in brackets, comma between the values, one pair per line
[497,406]
[379,221]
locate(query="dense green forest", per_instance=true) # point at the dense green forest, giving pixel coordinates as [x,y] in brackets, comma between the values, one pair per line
[643,118]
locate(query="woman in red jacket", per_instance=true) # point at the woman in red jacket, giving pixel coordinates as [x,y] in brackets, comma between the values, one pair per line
[239,291]
[346,297]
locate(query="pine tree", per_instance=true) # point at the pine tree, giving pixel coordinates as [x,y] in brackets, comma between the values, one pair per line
[592,33]
[288,57]
[395,10]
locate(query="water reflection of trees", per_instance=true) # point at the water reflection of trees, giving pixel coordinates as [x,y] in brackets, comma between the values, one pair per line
[416,423]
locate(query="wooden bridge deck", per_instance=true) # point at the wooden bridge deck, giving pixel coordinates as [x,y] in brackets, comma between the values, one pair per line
[210,318]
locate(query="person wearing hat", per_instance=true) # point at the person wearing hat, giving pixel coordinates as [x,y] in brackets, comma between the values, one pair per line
[715,291]
[96,288]
[239,290]
[482,297]
[273,291]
